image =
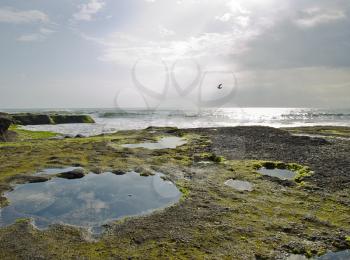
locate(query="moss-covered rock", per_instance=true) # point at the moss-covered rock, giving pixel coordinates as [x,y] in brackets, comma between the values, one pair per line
[32,119]
[5,122]
[47,119]
[71,119]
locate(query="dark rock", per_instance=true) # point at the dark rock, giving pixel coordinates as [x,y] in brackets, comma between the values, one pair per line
[295,248]
[75,174]
[5,122]
[32,119]
[72,119]
[47,119]
[118,172]
[96,170]
[77,165]
[21,179]
[79,136]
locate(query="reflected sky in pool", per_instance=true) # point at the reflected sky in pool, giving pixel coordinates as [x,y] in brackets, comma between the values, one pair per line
[88,202]
[281,174]
[164,143]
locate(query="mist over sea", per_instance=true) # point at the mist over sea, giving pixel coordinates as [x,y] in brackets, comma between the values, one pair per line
[111,120]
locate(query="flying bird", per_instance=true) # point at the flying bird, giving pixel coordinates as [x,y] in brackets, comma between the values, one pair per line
[220,86]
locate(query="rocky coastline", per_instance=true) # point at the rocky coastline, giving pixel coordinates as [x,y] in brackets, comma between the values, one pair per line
[274,219]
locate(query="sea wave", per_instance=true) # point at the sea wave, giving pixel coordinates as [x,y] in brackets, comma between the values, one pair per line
[123,114]
[111,120]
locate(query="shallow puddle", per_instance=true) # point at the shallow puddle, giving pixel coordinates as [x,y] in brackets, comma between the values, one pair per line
[341,255]
[279,173]
[89,202]
[164,143]
[239,185]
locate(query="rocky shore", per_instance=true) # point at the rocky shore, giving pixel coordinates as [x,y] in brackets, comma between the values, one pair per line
[275,218]
[5,123]
[6,120]
[49,119]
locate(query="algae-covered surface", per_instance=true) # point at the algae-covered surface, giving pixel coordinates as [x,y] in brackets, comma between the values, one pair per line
[330,131]
[308,215]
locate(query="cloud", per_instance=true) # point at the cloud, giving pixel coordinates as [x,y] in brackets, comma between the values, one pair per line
[122,48]
[199,32]
[33,37]
[87,11]
[164,32]
[315,16]
[259,38]
[10,15]
[225,17]
[46,31]
[41,35]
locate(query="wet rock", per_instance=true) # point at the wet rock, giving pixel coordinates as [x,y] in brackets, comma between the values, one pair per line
[5,122]
[72,119]
[48,119]
[75,174]
[295,248]
[32,119]
[21,179]
[118,172]
[97,170]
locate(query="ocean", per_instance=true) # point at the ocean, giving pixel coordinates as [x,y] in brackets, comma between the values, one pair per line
[111,120]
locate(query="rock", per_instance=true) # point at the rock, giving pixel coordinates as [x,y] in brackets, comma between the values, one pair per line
[79,136]
[5,122]
[74,174]
[118,172]
[47,119]
[32,119]
[22,179]
[72,119]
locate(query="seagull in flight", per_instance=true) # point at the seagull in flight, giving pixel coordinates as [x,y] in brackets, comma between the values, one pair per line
[220,86]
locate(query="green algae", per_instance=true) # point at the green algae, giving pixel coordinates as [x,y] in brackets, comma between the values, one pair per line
[330,131]
[23,134]
[40,119]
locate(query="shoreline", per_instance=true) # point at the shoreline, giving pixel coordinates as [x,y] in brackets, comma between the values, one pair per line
[276,219]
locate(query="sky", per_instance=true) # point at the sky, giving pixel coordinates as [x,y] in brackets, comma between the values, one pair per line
[174,53]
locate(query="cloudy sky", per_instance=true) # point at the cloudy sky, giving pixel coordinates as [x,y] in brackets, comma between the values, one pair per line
[135,53]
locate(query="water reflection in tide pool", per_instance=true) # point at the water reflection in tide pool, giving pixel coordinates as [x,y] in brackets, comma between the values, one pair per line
[341,255]
[278,173]
[164,143]
[89,202]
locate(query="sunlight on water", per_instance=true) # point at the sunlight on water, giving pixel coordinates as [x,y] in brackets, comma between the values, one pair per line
[164,143]
[111,120]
